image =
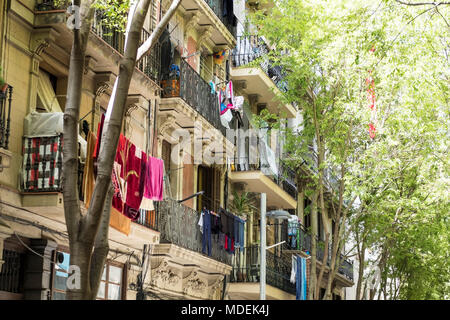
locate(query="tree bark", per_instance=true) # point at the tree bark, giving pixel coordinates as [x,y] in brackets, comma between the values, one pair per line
[361,258]
[80,248]
[313,270]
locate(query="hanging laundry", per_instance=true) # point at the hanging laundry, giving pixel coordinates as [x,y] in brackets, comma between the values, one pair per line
[206,235]
[294,269]
[147,204]
[213,87]
[238,102]
[300,283]
[133,176]
[200,222]
[154,179]
[99,137]
[119,222]
[241,234]
[219,56]
[215,223]
[236,230]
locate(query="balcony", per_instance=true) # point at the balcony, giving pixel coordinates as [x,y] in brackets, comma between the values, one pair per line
[194,91]
[218,7]
[178,225]
[261,174]
[263,78]
[302,242]
[246,272]
[149,64]
[5,125]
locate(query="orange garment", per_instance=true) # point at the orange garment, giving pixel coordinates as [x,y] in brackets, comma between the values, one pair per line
[88,172]
[120,222]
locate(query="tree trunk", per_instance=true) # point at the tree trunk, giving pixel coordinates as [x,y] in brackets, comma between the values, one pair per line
[313,269]
[324,264]
[361,258]
[80,249]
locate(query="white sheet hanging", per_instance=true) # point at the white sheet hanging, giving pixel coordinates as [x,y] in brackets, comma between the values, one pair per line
[46,94]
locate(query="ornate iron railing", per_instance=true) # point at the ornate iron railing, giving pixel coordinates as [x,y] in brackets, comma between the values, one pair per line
[10,272]
[5,116]
[197,93]
[148,219]
[253,48]
[178,224]
[302,241]
[220,10]
[278,269]
[285,177]
[149,64]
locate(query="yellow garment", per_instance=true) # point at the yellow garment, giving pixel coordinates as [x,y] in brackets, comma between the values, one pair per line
[120,222]
[88,173]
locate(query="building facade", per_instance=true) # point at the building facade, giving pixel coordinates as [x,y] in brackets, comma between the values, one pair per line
[173,96]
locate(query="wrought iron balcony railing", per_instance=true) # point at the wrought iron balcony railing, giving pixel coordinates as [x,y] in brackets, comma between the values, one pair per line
[149,64]
[196,92]
[5,115]
[178,225]
[284,177]
[219,8]
[253,48]
[278,270]
[148,219]
[301,240]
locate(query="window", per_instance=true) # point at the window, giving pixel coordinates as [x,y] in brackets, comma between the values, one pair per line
[110,285]
[11,275]
[61,268]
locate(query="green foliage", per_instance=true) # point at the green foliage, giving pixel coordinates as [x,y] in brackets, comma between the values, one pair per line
[243,204]
[114,13]
[401,177]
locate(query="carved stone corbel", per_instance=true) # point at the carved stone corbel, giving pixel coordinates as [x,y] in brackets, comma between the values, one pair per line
[194,285]
[212,290]
[164,275]
[205,38]
[192,22]
[167,123]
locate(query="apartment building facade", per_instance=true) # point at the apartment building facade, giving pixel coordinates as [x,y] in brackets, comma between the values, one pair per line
[160,255]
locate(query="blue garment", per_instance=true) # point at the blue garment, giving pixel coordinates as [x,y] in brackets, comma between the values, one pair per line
[236,231]
[206,235]
[241,234]
[300,283]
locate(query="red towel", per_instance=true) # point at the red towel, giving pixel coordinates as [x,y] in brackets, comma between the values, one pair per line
[99,137]
[133,177]
[154,179]
[117,176]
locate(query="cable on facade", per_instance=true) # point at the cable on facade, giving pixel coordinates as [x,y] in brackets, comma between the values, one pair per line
[38,254]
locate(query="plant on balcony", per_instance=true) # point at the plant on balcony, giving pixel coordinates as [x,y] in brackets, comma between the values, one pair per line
[243,204]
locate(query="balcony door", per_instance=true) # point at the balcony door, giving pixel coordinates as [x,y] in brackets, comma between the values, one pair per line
[208,181]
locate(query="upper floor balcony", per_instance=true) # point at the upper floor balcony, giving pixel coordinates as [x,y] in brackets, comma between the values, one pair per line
[53,13]
[6,93]
[298,239]
[245,276]
[5,115]
[262,78]
[188,85]
[260,171]
[178,225]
